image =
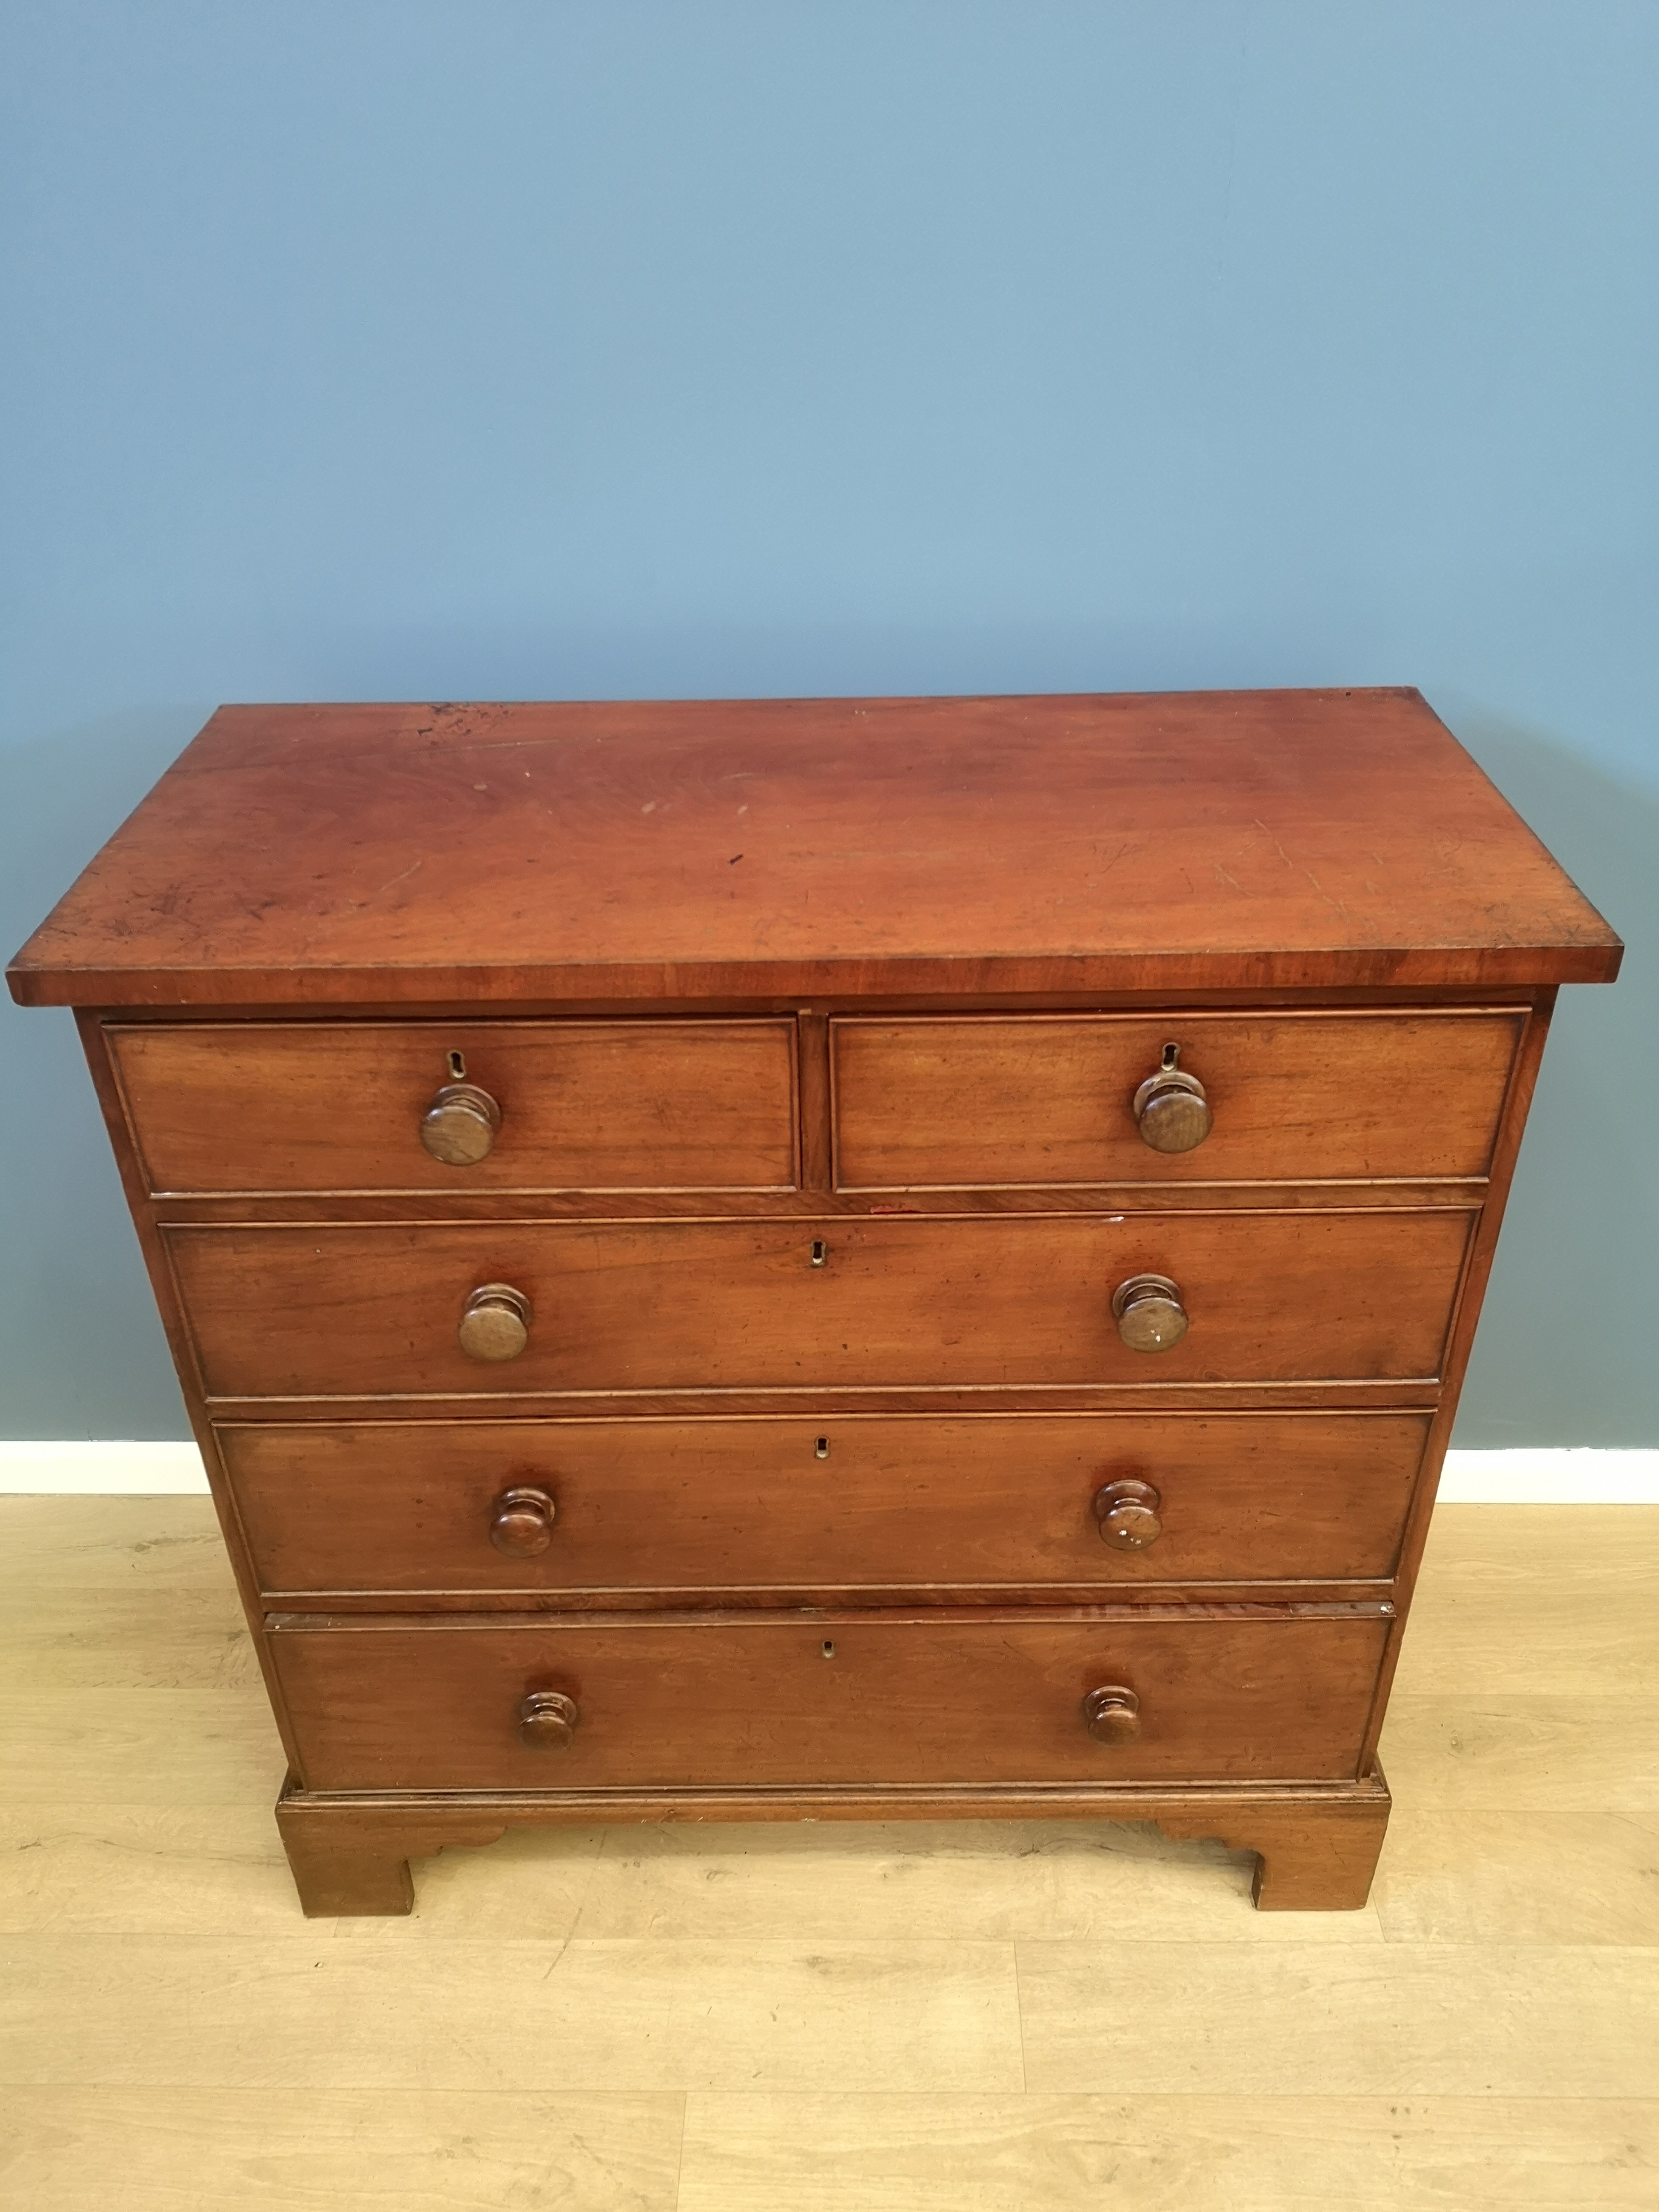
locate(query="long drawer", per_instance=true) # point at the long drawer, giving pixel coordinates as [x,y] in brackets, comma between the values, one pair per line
[960,1102]
[860,1501]
[356,1311]
[997,1697]
[251,1107]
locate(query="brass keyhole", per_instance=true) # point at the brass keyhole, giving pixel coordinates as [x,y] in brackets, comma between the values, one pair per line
[820,1252]
[828,1650]
[457,1067]
[821,1449]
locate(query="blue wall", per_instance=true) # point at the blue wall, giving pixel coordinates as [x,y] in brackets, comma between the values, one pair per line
[463,348]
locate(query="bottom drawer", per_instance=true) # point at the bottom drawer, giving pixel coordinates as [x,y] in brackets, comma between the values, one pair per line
[999,1697]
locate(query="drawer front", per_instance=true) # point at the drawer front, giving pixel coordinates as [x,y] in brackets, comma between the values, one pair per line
[849,1699]
[859,1501]
[295,1107]
[333,1310]
[983,1101]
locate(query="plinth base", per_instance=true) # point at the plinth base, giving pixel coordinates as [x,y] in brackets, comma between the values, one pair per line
[1316,1842]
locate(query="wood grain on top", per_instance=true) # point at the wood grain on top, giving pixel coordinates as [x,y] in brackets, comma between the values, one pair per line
[710,849]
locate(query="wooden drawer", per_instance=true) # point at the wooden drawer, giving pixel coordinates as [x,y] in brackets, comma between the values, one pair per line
[851,1697]
[967,1101]
[982,1302]
[850,1502]
[332,1107]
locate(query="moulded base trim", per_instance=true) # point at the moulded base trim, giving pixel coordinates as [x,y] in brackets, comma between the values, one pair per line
[1316,1842]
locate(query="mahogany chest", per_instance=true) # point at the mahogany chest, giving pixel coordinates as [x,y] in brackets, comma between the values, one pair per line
[825,1258]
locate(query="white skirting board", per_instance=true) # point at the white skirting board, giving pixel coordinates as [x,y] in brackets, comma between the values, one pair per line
[1540,1476]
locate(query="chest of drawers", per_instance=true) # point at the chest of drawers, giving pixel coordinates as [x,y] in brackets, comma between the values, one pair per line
[822,1259]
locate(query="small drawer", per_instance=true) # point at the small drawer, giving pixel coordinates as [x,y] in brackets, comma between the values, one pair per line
[983,1303]
[683,1507]
[300,1107]
[985,1101]
[450,1703]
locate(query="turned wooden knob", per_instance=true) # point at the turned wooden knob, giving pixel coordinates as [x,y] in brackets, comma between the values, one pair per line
[521,1522]
[459,1126]
[547,1720]
[1112,1715]
[495,1324]
[1149,1313]
[1127,1513]
[1172,1110]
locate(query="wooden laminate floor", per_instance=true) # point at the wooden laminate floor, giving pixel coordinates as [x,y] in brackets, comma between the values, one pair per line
[835,2019]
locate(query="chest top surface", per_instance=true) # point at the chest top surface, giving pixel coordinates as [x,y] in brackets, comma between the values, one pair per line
[708,849]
